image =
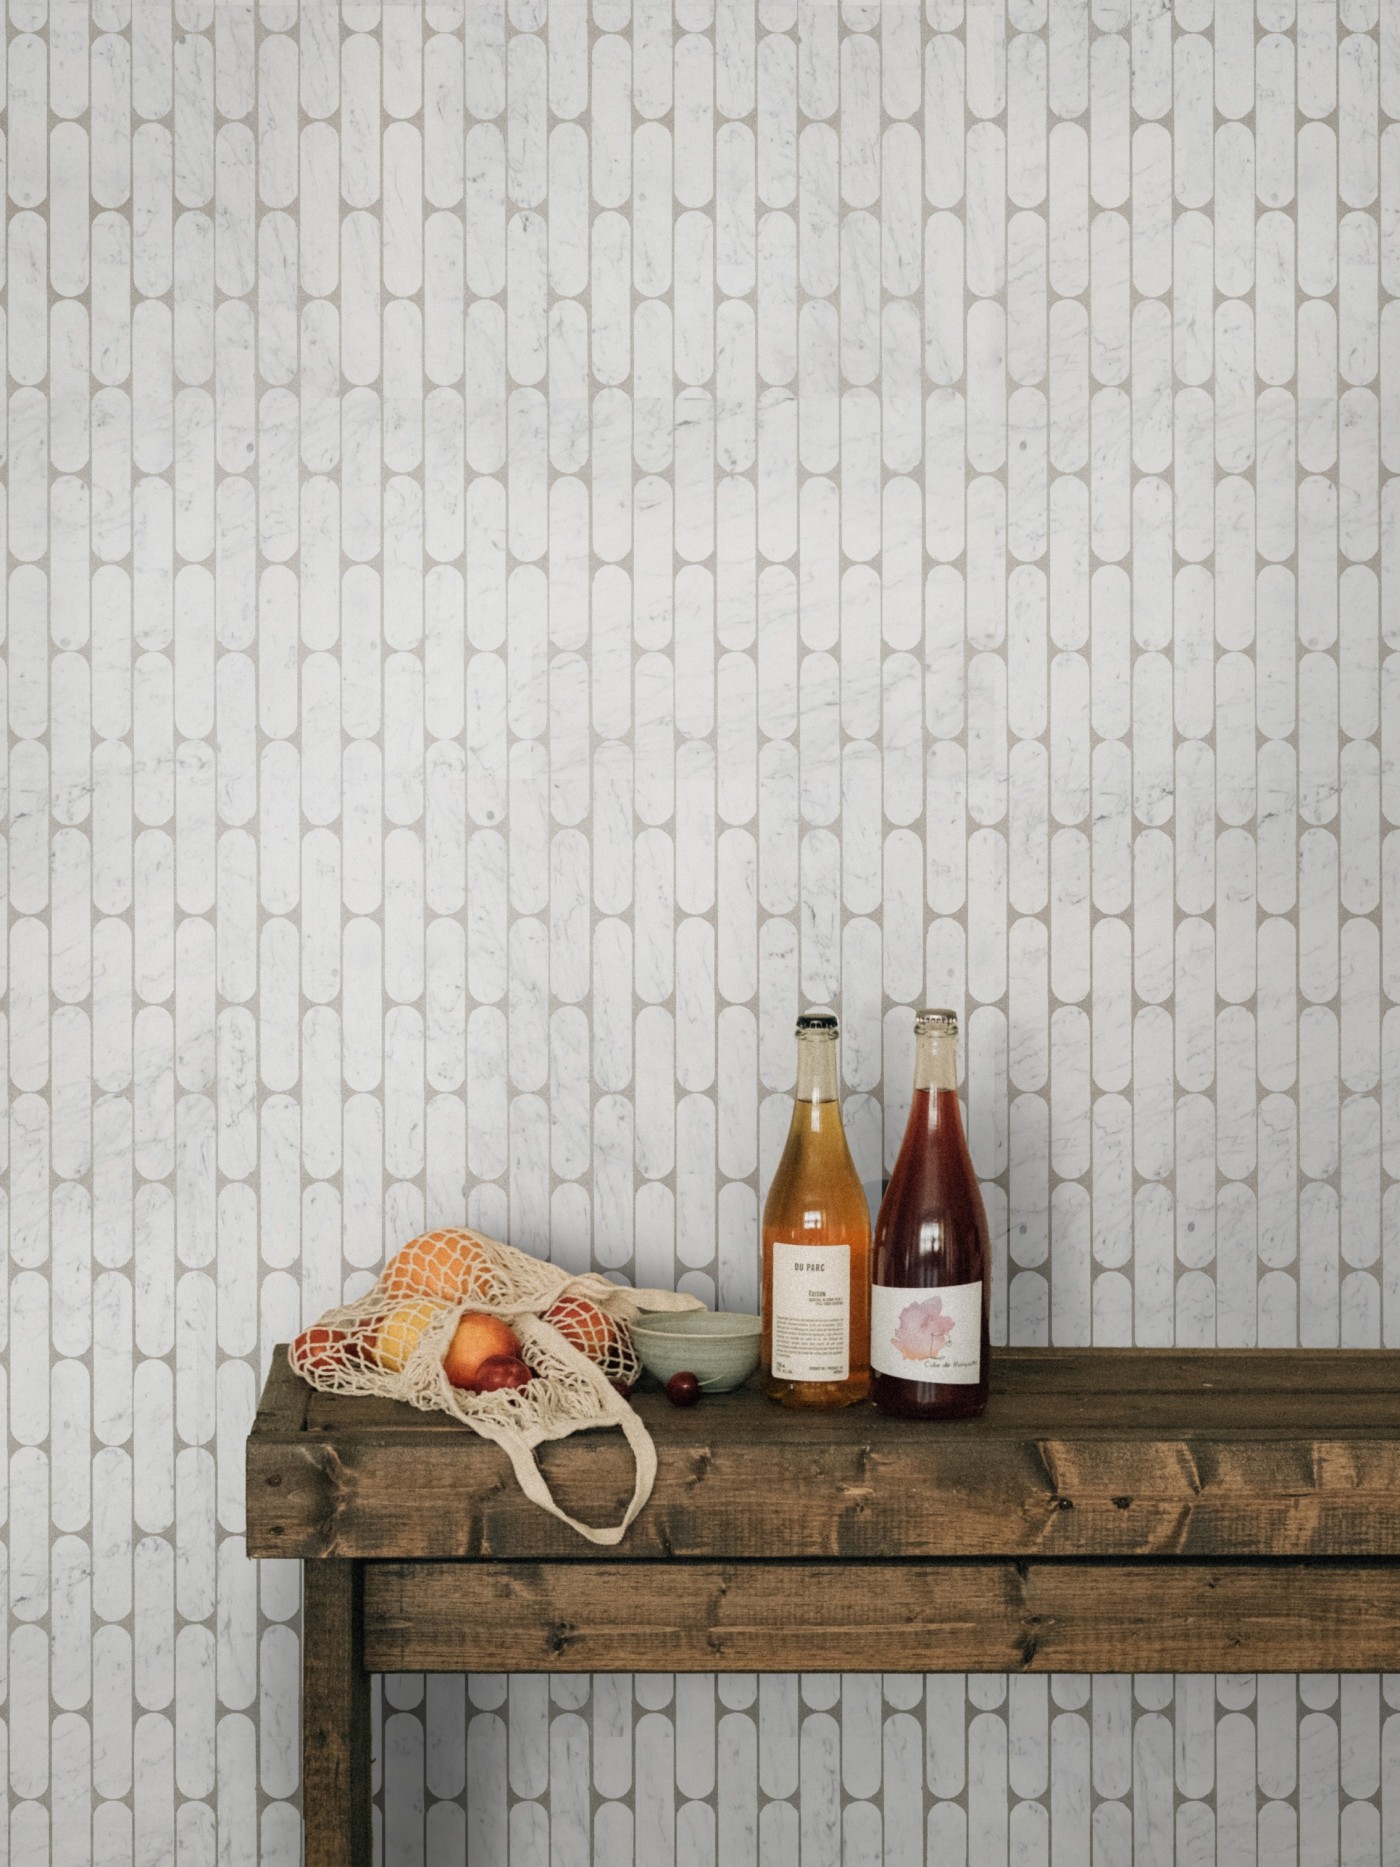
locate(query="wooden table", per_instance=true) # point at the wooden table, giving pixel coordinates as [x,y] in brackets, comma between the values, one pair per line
[1113,1511]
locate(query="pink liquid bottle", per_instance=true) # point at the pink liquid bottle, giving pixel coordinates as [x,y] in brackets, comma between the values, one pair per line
[930,1262]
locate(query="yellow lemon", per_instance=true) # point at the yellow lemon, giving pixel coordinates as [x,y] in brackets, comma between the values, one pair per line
[399,1333]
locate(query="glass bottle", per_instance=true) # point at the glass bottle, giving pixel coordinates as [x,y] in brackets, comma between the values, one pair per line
[930,1263]
[816,1244]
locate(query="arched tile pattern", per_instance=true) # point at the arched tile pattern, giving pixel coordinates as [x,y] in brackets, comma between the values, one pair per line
[540,540]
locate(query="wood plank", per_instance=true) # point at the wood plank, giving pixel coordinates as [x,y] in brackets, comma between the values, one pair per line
[929,1494]
[1193,1463]
[902,1617]
[1318,1372]
[748,1419]
[335,1705]
[1107,1386]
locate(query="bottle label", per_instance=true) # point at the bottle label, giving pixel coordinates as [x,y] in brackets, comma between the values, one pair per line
[811,1312]
[927,1335]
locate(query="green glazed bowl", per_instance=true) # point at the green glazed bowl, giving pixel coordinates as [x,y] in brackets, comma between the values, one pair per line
[719,1349]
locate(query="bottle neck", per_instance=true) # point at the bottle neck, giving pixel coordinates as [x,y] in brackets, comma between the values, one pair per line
[816,1069]
[935,1060]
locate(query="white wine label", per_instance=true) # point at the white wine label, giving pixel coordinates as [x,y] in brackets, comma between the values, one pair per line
[927,1335]
[811,1312]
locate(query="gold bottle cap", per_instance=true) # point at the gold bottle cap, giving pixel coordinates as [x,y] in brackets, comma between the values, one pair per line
[942,1022]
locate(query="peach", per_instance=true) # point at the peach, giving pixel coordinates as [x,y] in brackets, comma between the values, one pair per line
[400,1331]
[448,1264]
[478,1338]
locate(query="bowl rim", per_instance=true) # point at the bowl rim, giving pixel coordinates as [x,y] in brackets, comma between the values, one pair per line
[672,1325]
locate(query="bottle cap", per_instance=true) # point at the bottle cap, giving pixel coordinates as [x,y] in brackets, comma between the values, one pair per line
[817,1023]
[941,1022]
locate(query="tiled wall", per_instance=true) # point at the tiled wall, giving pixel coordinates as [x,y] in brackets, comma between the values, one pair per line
[539,543]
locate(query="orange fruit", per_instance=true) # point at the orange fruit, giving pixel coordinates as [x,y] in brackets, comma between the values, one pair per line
[448,1264]
[586,1327]
[400,1331]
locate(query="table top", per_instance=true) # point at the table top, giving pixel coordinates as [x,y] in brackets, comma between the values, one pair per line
[1123,1453]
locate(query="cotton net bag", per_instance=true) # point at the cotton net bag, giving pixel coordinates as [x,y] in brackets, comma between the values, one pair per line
[392,1342]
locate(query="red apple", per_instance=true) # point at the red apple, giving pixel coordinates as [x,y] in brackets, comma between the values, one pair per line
[589,1329]
[321,1348]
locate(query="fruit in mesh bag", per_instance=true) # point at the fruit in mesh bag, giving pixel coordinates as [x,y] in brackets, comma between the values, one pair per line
[451,1264]
[398,1335]
[591,1331]
[594,1333]
[322,1349]
[498,1371]
[479,1338]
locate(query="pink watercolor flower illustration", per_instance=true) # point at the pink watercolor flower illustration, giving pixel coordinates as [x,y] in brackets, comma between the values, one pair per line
[922,1331]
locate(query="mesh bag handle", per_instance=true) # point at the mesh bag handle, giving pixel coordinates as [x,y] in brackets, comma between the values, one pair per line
[531,1480]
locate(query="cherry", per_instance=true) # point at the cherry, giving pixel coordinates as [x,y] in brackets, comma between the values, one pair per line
[683,1390]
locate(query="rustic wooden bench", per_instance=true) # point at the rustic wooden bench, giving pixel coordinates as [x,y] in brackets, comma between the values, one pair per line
[1113,1511]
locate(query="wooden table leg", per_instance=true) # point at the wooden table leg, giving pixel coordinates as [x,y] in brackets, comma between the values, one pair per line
[335,1754]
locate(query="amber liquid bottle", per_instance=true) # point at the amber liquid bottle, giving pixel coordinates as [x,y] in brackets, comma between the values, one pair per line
[816,1244]
[930,1264]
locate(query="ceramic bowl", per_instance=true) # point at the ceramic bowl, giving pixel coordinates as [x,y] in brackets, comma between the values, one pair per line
[719,1349]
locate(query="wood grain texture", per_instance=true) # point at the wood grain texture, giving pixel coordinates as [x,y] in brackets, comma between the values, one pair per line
[1158,1370]
[900,1617]
[335,1734]
[1103,1453]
